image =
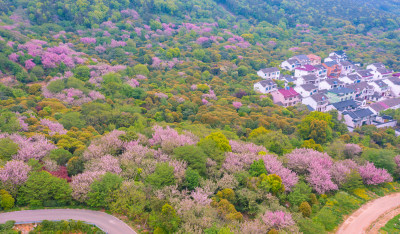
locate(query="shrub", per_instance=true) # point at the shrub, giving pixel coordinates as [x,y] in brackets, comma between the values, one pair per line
[6,200]
[305,209]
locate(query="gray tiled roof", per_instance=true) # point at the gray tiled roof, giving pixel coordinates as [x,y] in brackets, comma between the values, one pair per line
[270,69]
[359,114]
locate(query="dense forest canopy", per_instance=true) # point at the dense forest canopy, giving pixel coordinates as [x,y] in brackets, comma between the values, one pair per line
[147,109]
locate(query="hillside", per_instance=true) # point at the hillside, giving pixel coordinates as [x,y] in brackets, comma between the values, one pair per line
[147,109]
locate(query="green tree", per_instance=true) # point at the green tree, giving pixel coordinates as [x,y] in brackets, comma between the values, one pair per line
[162,176]
[6,200]
[192,178]
[72,119]
[301,192]
[82,73]
[257,168]
[130,199]
[61,156]
[43,189]
[220,139]
[7,149]
[167,219]
[194,156]
[8,122]
[353,181]
[317,126]
[102,190]
[75,166]
[211,149]
[271,183]
[141,69]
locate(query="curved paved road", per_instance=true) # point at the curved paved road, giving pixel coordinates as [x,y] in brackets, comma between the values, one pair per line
[359,221]
[106,222]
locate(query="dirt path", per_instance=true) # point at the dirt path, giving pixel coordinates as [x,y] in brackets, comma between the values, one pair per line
[361,220]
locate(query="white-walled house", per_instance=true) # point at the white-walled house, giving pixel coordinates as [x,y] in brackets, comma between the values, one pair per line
[303,59]
[306,90]
[362,90]
[375,66]
[381,88]
[317,101]
[269,73]
[304,70]
[339,55]
[290,64]
[350,78]
[365,74]
[358,118]
[330,84]
[390,103]
[381,73]
[265,86]
[308,79]
[394,85]
[321,71]
[346,66]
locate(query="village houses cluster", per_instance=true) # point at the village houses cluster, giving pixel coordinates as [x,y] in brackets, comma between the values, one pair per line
[358,94]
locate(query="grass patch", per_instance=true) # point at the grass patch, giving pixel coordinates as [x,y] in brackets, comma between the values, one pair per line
[393,226]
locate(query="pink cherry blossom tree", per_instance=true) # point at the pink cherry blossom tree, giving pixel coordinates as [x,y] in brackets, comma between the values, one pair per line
[237,105]
[14,174]
[80,184]
[277,219]
[373,176]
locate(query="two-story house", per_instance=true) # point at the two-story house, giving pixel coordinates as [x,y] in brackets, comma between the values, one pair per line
[304,70]
[308,79]
[314,59]
[362,90]
[286,97]
[390,103]
[330,84]
[303,59]
[318,102]
[290,64]
[381,88]
[322,72]
[375,66]
[350,78]
[346,67]
[340,94]
[306,90]
[339,55]
[265,86]
[365,74]
[394,85]
[358,118]
[343,106]
[269,73]
[382,73]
